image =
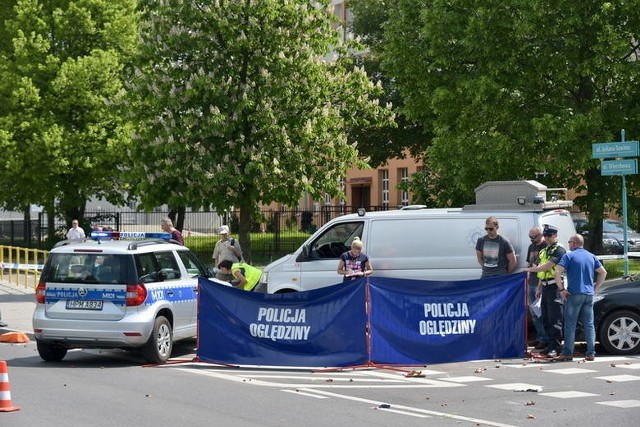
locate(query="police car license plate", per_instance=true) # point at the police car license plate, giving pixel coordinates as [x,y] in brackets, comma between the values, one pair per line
[73,304]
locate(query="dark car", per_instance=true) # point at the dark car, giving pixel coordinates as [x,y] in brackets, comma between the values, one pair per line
[611,242]
[617,315]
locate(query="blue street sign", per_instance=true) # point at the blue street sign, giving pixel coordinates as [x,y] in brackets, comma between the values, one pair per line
[614,149]
[619,167]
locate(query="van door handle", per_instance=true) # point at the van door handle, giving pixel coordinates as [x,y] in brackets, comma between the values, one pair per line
[170,292]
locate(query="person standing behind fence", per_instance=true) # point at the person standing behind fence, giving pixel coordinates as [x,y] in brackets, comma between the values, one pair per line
[354,263]
[75,233]
[167,226]
[226,248]
[495,253]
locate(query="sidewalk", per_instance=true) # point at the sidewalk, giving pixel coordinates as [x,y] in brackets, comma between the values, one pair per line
[16,305]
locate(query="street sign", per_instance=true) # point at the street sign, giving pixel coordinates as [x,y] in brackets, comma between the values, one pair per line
[619,167]
[614,149]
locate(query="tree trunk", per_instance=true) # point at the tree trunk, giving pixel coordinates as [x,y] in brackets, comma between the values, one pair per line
[244,228]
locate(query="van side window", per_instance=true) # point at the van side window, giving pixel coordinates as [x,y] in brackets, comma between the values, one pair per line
[336,240]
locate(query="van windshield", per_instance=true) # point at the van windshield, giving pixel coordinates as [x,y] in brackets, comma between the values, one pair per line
[336,240]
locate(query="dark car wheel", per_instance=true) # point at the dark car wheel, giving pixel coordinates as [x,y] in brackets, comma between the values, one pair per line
[620,332]
[51,352]
[158,348]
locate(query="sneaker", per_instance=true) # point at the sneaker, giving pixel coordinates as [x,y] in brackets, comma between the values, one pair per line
[541,345]
[563,358]
[552,354]
[590,358]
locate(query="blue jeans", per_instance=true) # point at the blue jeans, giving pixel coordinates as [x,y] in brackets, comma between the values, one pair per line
[541,334]
[579,307]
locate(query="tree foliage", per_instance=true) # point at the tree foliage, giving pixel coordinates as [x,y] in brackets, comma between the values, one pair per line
[509,89]
[61,71]
[241,103]
[380,144]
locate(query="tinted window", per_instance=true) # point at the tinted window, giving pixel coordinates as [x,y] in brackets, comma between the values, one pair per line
[193,265]
[168,265]
[86,268]
[156,267]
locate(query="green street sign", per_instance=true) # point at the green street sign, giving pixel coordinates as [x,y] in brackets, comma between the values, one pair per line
[619,167]
[614,149]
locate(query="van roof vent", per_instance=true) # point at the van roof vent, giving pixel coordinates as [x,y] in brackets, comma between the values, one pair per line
[519,195]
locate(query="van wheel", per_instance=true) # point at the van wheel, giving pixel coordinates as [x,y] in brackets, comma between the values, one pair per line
[158,349]
[51,352]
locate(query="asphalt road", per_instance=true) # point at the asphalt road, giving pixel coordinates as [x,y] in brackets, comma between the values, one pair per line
[106,388]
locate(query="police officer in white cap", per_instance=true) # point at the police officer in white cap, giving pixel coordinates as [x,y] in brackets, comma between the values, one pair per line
[551,303]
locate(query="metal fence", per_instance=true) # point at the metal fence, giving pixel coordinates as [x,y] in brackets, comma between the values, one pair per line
[280,232]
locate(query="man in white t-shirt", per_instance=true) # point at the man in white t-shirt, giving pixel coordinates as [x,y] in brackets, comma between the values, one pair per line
[75,233]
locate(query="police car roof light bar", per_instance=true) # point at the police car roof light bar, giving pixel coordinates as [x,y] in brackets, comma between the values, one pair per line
[126,235]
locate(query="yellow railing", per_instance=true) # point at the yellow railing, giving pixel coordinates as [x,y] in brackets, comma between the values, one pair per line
[21,266]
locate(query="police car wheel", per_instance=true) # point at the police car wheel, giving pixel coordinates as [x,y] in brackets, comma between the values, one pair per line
[158,348]
[51,352]
[620,333]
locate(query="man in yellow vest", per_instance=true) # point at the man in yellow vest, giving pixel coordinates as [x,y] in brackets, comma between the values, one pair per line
[245,276]
[551,303]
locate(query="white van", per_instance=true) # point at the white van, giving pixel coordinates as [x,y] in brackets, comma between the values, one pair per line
[433,244]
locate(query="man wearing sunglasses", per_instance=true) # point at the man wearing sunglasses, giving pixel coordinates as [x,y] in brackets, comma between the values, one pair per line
[551,303]
[533,259]
[495,253]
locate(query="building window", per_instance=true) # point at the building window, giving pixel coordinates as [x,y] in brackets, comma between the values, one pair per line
[384,186]
[403,174]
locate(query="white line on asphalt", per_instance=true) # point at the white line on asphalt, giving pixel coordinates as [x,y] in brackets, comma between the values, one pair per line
[315,396]
[395,411]
[409,408]
[250,379]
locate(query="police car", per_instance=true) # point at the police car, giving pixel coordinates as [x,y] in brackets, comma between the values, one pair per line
[115,292]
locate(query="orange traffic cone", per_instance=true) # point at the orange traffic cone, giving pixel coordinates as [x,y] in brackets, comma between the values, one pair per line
[5,390]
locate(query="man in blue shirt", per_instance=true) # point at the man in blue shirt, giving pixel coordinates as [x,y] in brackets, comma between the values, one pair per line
[580,266]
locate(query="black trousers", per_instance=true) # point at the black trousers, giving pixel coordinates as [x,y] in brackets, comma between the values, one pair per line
[551,309]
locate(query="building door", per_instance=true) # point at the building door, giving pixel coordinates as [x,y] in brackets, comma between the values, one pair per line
[361,196]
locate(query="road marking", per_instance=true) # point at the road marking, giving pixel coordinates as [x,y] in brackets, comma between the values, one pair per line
[467,379]
[352,380]
[395,411]
[622,403]
[517,387]
[568,394]
[315,396]
[409,409]
[620,378]
[569,371]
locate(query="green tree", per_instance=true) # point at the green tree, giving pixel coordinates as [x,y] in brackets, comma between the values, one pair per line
[381,143]
[62,138]
[243,102]
[509,89]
